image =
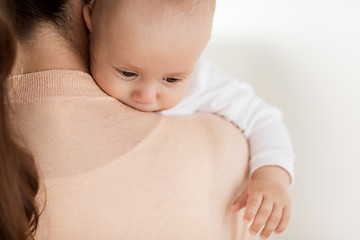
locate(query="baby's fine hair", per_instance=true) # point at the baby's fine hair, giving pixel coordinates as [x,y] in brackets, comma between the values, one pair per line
[183,6]
[188,6]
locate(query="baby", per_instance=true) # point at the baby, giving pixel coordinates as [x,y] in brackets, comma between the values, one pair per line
[147,54]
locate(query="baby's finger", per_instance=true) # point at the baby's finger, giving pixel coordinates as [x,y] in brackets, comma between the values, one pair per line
[253,203]
[239,203]
[261,216]
[272,222]
[284,220]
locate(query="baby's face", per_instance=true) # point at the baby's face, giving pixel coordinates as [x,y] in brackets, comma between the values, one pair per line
[145,56]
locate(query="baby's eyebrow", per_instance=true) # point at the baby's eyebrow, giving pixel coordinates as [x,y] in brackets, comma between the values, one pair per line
[132,67]
[125,64]
[181,73]
[176,75]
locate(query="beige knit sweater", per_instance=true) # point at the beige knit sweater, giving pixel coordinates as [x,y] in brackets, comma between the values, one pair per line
[110,172]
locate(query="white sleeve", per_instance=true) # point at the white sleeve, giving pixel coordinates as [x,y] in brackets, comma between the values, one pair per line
[211,90]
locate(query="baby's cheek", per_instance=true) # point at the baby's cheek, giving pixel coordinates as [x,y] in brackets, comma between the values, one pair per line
[117,90]
[108,84]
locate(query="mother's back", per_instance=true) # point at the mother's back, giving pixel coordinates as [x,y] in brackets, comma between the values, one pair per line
[110,172]
[175,184]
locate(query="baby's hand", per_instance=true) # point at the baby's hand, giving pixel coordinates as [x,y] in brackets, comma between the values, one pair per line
[267,201]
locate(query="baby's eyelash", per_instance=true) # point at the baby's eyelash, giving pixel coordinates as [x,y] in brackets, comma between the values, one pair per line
[171,80]
[127,74]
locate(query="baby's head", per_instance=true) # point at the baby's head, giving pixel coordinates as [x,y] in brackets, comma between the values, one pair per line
[143,52]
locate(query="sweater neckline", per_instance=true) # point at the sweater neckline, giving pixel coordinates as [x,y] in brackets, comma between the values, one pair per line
[53,85]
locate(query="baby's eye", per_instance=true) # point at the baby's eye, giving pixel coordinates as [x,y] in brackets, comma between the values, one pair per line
[127,74]
[172,80]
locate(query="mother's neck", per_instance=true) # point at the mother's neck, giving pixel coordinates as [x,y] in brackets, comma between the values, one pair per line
[48,50]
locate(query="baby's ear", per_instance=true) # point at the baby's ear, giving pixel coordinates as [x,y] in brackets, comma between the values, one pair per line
[87,16]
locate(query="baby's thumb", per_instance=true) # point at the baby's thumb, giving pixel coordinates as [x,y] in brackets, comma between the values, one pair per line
[240,202]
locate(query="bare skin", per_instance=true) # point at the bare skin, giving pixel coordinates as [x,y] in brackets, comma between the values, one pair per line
[146,59]
[38,52]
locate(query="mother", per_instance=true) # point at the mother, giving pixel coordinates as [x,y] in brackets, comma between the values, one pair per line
[108,171]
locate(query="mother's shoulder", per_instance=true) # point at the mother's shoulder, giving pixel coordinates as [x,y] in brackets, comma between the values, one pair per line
[219,128]
[219,133]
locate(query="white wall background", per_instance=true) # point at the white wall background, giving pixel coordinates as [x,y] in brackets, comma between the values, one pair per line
[303,56]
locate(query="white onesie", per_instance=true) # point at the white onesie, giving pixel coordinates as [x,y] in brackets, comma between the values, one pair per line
[211,90]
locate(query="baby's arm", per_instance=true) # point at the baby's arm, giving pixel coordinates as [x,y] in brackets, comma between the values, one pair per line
[266,196]
[211,90]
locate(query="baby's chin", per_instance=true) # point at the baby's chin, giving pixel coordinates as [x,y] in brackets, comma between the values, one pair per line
[150,110]
[157,107]
[145,108]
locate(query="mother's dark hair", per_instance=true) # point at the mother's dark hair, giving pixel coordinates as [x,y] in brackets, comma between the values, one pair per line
[18,175]
[19,181]
[26,15]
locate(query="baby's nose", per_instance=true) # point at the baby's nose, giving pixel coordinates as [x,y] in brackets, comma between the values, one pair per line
[146,95]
